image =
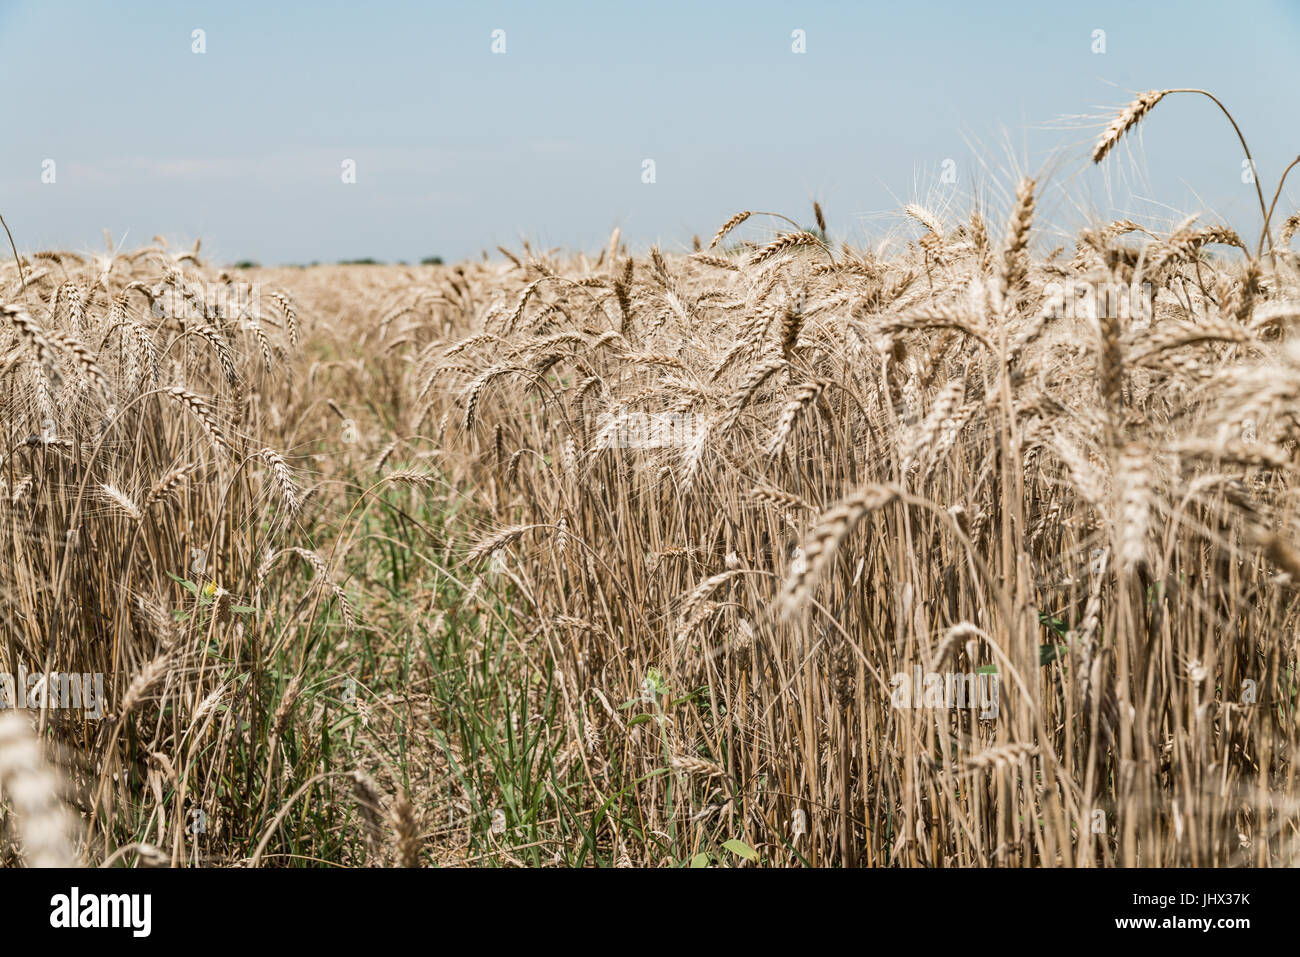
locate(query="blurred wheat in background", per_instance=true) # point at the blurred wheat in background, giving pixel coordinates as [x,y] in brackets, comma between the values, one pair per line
[615,559]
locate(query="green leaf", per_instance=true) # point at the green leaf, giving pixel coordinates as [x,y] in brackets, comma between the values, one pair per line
[1058,626]
[700,860]
[987,670]
[741,849]
[1049,653]
[185,583]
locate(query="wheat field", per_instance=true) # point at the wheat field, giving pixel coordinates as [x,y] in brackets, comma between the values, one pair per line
[623,559]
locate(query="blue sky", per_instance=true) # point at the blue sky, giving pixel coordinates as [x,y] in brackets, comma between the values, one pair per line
[458,149]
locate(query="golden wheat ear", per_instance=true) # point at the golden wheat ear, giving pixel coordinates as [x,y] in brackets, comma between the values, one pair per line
[1128,118]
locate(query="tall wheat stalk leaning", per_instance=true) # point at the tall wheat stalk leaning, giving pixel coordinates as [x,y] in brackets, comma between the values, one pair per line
[1144,103]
